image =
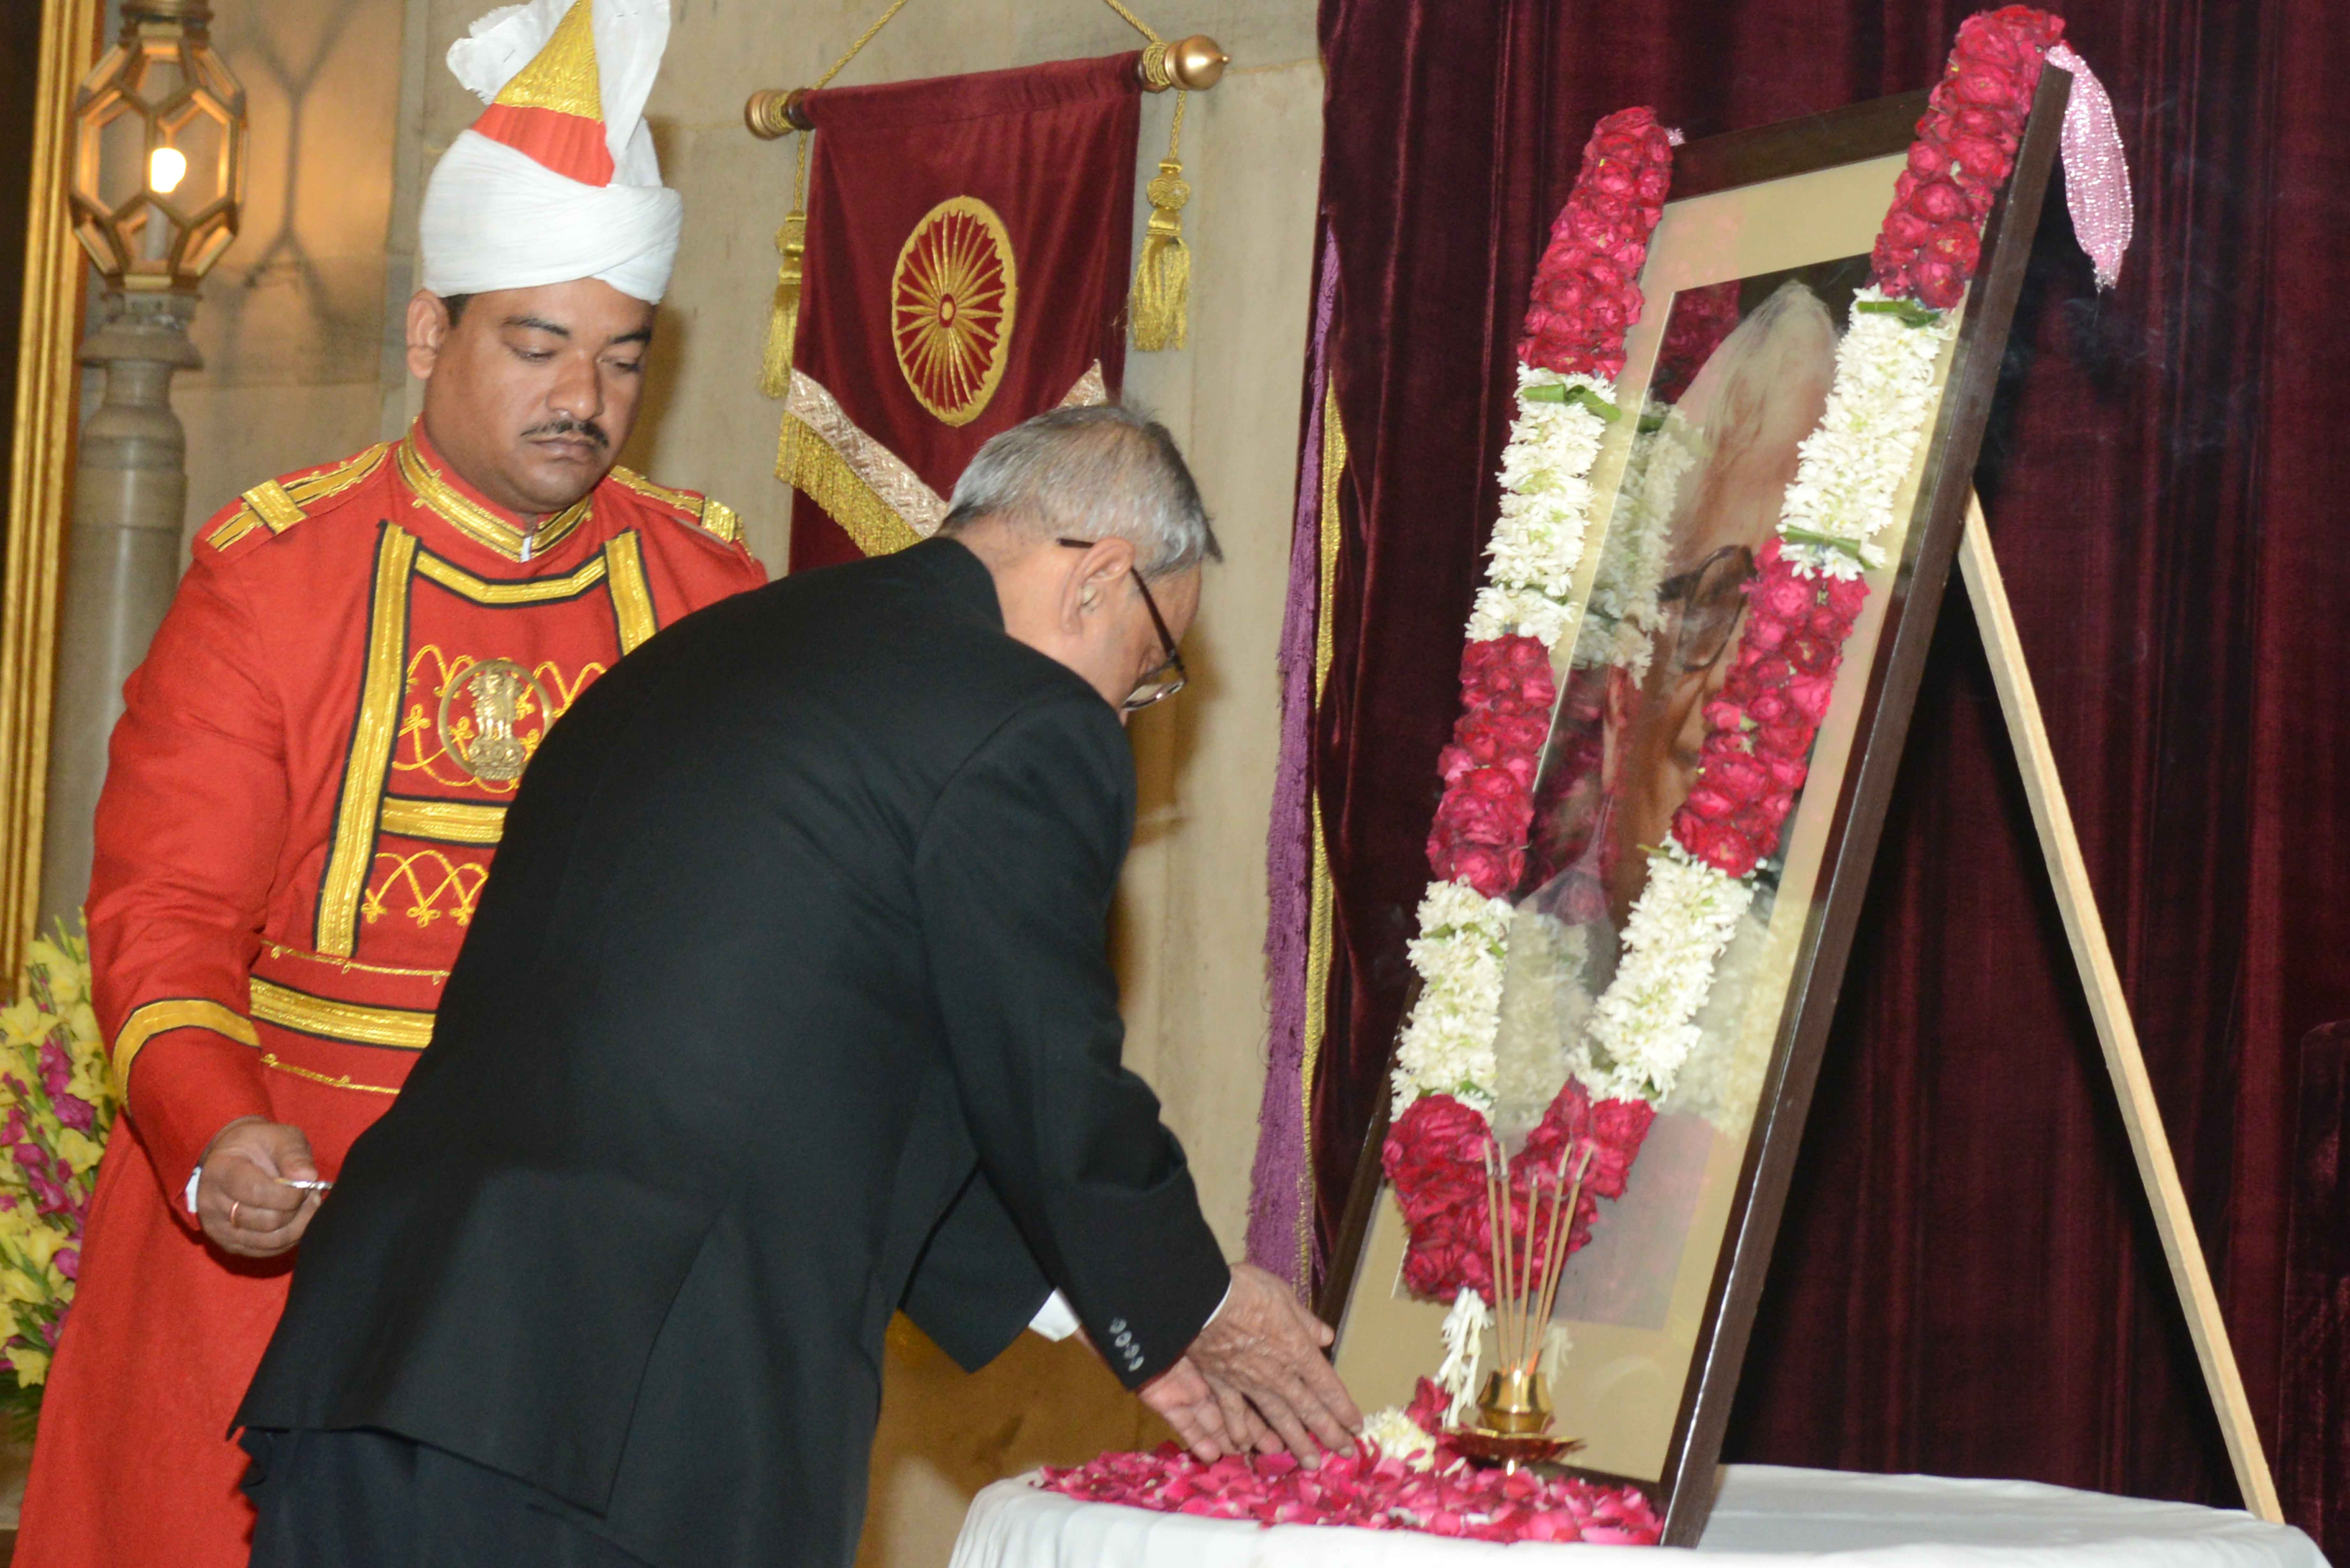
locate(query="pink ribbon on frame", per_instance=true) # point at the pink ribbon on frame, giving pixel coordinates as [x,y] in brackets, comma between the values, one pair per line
[2096,173]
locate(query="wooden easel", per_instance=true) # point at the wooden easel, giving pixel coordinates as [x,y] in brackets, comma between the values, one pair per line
[2107,1005]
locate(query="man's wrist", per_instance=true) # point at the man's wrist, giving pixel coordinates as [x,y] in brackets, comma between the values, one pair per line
[196,1176]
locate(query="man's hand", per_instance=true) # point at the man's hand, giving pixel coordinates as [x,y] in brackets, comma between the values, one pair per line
[1191,1407]
[241,1203]
[1261,1355]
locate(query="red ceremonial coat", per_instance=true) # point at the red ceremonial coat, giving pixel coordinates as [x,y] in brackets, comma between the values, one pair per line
[302,801]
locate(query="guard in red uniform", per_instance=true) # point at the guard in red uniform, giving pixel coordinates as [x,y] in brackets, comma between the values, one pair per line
[307,787]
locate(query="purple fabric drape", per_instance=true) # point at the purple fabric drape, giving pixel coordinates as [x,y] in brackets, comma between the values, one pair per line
[1967,1281]
[1278,1183]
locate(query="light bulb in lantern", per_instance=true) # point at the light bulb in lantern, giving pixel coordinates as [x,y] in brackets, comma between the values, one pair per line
[166,167]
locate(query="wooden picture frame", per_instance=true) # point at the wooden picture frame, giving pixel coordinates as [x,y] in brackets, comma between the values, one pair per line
[1803,195]
[40,476]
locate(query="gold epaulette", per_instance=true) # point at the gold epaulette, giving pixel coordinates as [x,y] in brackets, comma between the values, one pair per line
[713,517]
[279,503]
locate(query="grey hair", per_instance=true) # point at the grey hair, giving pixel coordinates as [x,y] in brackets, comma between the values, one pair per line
[1091,473]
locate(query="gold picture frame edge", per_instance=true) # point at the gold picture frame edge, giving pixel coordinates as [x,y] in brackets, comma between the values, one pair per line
[40,485]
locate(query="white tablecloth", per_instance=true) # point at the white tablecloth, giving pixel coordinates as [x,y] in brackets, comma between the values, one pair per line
[1764,1515]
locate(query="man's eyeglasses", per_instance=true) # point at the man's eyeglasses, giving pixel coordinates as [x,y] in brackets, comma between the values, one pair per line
[1169,678]
[1708,600]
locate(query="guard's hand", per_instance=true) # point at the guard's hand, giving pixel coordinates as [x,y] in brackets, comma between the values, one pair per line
[1192,1406]
[240,1201]
[1262,1354]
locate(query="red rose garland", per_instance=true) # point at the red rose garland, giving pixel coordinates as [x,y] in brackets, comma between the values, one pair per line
[1586,296]
[1587,293]
[1966,144]
[1435,1160]
[1760,727]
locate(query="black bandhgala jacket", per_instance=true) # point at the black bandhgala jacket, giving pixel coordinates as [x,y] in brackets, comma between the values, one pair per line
[786,1005]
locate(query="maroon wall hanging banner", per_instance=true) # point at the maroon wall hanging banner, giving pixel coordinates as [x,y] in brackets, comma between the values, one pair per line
[967,248]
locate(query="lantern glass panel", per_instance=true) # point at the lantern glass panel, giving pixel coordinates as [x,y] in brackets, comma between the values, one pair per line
[198,129]
[157,76]
[122,171]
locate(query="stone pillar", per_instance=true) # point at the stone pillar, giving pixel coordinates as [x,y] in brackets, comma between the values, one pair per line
[122,562]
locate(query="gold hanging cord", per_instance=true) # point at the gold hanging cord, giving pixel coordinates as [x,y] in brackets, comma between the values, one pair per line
[1162,273]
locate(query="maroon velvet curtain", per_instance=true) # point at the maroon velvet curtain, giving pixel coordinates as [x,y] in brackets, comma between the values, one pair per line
[1967,1281]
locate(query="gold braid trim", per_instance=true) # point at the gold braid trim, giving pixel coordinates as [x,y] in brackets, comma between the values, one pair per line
[342,1080]
[445,821]
[477,521]
[356,813]
[278,505]
[632,602]
[1321,895]
[180,1013]
[350,1022]
[488,591]
[713,516]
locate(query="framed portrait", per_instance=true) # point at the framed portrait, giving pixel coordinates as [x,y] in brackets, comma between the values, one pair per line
[1749,288]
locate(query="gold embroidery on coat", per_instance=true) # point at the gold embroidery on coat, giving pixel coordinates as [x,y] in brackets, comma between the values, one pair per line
[484,591]
[340,1081]
[460,881]
[477,521]
[431,671]
[371,739]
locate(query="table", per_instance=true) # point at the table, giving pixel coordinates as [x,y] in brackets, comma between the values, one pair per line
[1765,1514]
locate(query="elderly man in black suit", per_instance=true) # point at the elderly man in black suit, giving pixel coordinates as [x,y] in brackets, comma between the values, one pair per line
[787,1007]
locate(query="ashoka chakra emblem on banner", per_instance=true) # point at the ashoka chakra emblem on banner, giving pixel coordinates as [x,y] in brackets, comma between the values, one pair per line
[951,307]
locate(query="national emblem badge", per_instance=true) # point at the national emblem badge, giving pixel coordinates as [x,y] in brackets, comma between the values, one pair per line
[478,711]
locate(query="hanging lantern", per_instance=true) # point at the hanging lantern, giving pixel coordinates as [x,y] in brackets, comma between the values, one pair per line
[159,150]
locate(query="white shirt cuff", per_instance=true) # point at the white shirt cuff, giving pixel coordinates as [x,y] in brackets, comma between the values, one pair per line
[195,1179]
[1056,1320]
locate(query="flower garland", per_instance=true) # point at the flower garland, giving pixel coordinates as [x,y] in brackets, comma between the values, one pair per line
[59,1102]
[1584,298]
[1807,594]
[1404,1477]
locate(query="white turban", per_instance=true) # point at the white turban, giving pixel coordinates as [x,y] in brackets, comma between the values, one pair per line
[496,217]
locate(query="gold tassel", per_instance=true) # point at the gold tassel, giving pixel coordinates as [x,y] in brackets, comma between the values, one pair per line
[1163,276]
[784,316]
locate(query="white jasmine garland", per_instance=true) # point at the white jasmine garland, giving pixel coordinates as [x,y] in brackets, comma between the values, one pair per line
[1537,545]
[1850,467]
[1447,1046]
[1642,1026]
[1464,1348]
[1537,540]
